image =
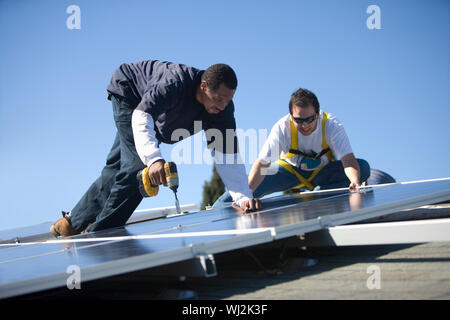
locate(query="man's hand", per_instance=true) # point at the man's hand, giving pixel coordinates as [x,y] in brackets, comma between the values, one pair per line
[353,186]
[251,205]
[156,173]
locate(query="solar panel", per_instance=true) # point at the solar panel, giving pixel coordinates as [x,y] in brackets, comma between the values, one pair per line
[26,268]
[32,233]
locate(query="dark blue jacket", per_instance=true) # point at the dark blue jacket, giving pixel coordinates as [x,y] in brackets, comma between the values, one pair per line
[167,91]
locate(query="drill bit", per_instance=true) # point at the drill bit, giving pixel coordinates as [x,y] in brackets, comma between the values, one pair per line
[170,170]
[177,203]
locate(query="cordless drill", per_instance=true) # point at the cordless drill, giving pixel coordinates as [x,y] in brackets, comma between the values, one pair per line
[148,190]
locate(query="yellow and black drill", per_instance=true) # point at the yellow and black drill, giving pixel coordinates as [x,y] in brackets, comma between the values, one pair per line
[148,190]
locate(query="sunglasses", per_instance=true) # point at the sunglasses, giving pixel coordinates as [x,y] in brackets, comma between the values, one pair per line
[305,120]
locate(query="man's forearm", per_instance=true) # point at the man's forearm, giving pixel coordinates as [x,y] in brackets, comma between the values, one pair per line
[352,174]
[233,176]
[255,177]
[351,168]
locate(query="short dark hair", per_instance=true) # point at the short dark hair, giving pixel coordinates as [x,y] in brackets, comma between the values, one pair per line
[303,98]
[218,74]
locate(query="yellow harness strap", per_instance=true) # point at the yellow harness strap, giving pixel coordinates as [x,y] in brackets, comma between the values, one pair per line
[294,145]
[324,141]
[304,181]
[294,140]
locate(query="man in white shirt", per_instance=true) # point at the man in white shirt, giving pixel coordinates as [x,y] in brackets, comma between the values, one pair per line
[305,149]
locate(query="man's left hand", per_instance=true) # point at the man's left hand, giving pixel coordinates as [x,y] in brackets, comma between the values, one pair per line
[251,205]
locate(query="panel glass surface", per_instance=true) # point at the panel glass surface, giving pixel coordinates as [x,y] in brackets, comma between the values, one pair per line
[28,262]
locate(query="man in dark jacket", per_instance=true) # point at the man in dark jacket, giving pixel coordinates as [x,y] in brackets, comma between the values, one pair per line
[151,100]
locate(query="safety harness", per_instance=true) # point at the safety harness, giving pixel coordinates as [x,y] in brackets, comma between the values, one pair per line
[293,151]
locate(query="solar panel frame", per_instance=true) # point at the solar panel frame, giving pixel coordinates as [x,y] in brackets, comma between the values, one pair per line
[297,216]
[127,264]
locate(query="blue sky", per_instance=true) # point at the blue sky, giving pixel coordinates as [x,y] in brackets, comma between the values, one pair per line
[389,87]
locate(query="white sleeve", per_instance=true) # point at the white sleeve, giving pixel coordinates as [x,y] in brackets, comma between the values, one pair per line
[145,137]
[273,146]
[233,175]
[337,138]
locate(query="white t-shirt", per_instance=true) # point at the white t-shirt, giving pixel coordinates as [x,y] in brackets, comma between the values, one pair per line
[278,143]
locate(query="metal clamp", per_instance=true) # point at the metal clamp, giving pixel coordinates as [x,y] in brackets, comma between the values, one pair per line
[325,222]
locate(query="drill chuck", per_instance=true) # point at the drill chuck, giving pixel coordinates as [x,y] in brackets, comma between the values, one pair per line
[170,169]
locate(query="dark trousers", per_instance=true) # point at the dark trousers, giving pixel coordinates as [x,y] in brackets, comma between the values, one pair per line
[330,177]
[114,196]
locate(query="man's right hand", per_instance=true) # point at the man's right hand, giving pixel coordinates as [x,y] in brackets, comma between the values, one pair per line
[251,205]
[156,173]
